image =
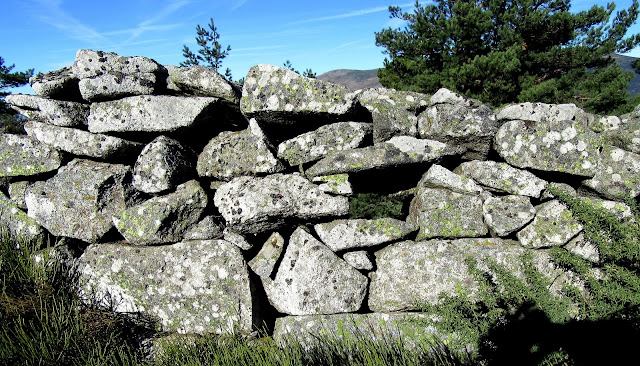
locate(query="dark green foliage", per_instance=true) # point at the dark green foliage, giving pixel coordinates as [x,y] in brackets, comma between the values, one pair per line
[307,73]
[502,52]
[373,206]
[211,52]
[10,120]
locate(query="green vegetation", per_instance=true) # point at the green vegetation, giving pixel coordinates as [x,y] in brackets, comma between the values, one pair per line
[307,73]
[502,52]
[211,52]
[10,120]
[375,206]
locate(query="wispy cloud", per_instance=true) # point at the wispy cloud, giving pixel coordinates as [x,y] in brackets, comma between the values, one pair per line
[350,14]
[51,13]
[151,23]
[237,4]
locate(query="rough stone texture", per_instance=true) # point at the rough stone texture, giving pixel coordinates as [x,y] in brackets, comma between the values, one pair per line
[446,96]
[16,193]
[506,214]
[584,248]
[546,194]
[55,112]
[275,95]
[357,233]
[236,239]
[459,124]
[394,112]
[208,228]
[163,219]
[444,213]
[440,177]
[59,84]
[79,201]
[264,262]
[105,75]
[26,156]
[557,146]
[626,135]
[311,279]
[233,154]
[553,225]
[411,329]
[203,81]
[620,209]
[316,144]
[618,174]
[422,149]
[17,224]
[334,184]
[359,260]
[152,113]
[410,273]
[192,287]
[83,143]
[542,112]
[162,165]
[503,177]
[252,205]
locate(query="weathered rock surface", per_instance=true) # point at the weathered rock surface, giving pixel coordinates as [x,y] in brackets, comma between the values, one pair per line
[275,95]
[60,84]
[208,228]
[542,112]
[105,75]
[359,260]
[553,225]
[163,219]
[162,165]
[157,113]
[80,200]
[26,156]
[422,149]
[394,112]
[311,279]
[16,192]
[503,177]
[17,224]
[440,177]
[334,184]
[55,112]
[410,272]
[233,154]
[191,287]
[264,262]
[252,205]
[618,174]
[444,213]
[358,233]
[203,81]
[83,143]
[584,248]
[237,239]
[506,214]
[558,146]
[316,144]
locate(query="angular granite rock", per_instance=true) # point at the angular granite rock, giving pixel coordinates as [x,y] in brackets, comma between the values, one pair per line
[233,154]
[411,273]
[20,227]
[444,213]
[162,165]
[440,177]
[422,149]
[264,262]
[79,201]
[456,123]
[542,112]
[237,239]
[394,112]
[272,94]
[83,143]
[618,174]
[55,112]
[553,225]
[583,247]
[316,144]
[105,75]
[191,287]
[556,146]
[163,219]
[16,192]
[359,260]
[358,233]
[25,156]
[203,81]
[503,177]
[60,84]
[506,214]
[153,113]
[311,279]
[253,205]
[207,228]
[334,184]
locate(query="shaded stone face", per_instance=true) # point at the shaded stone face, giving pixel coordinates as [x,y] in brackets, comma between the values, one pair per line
[198,286]
[55,112]
[311,279]
[348,234]
[202,81]
[264,262]
[162,165]
[553,225]
[26,156]
[506,214]
[502,177]
[60,84]
[17,224]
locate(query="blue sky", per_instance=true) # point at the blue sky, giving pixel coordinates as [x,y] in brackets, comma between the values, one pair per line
[322,35]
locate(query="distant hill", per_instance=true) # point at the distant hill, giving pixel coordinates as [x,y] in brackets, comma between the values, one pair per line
[360,79]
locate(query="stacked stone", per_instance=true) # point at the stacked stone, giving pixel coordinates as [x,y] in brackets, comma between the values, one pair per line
[191,194]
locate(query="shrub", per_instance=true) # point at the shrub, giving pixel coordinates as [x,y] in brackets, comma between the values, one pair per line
[373,206]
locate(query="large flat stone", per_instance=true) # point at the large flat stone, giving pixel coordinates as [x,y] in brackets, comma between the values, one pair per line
[358,233]
[55,112]
[25,156]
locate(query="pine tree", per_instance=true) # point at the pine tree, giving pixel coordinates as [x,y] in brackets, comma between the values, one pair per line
[211,52]
[506,51]
[307,73]
[9,119]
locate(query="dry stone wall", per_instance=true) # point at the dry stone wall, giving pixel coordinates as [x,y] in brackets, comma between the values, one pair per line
[214,208]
